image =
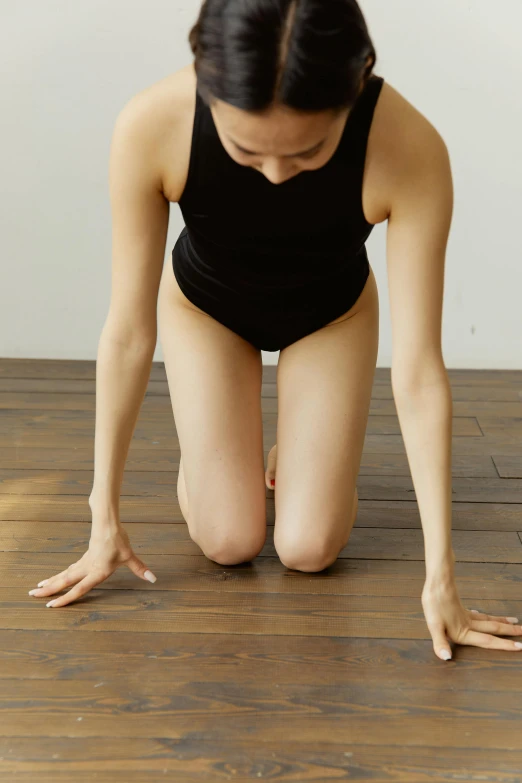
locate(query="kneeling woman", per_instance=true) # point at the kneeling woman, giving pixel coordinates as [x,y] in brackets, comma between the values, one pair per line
[283,149]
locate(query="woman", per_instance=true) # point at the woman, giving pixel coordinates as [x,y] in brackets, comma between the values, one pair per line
[283,150]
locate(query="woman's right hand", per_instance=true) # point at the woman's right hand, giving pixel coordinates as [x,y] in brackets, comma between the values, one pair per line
[109,548]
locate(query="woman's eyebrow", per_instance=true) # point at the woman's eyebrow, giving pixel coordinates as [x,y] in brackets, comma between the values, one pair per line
[294,155]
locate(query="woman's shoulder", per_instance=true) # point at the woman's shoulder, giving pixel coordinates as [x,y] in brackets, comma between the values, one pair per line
[401,139]
[165,112]
[403,124]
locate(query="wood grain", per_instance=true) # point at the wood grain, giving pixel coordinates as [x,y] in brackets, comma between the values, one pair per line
[252,671]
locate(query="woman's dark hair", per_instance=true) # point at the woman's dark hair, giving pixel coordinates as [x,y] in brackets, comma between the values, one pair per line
[310,55]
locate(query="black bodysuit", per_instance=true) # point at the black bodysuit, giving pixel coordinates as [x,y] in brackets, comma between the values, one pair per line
[271,262]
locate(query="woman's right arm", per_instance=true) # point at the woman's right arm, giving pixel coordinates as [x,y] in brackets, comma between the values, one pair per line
[140,217]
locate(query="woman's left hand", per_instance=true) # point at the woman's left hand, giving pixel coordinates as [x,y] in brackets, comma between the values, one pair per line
[448,620]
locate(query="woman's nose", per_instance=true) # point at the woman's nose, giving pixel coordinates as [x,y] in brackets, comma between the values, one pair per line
[277,171]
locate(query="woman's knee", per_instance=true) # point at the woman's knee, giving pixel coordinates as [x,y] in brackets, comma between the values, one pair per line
[230,545]
[302,553]
[233,552]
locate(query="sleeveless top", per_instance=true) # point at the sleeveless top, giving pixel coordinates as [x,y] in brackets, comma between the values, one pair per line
[252,236]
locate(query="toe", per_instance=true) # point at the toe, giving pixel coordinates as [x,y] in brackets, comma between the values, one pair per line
[270,472]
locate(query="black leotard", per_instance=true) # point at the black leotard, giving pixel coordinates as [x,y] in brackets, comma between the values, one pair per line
[275,262]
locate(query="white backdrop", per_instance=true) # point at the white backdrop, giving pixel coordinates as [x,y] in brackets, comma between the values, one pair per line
[69,67]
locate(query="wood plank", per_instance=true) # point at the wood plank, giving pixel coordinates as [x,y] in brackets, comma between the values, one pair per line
[145,459]
[158,403]
[461,408]
[509,426]
[65,369]
[465,516]
[85,369]
[365,543]
[179,565]
[306,660]
[164,484]
[501,392]
[213,611]
[508,467]
[62,386]
[382,464]
[109,760]
[262,713]
[73,427]
[464,490]
[154,460]
[501,442]
[468,459]
[371,513]
[459,376]
[471,408]
[460,392]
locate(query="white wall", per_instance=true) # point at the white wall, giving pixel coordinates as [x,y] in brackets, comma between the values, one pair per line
[69,67]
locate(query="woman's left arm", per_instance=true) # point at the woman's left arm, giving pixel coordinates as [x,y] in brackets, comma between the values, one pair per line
[418,228]
[420,215]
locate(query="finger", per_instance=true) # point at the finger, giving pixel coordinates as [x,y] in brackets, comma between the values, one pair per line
[497,627]
[481,616]
[490,642]
[77,591]
[139,568]
[51,578]
[441,644]
[60,581]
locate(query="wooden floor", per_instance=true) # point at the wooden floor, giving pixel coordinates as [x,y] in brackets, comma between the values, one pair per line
[251,672]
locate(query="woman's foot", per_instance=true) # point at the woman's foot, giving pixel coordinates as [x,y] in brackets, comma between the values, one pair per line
[182,492]
[271,468]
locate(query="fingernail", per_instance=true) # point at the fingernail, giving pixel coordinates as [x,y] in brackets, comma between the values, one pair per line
[272,481]
[41,584]
[52,603]
[150,576]
[512,620]
[445,654]
[32,592]
[518,645]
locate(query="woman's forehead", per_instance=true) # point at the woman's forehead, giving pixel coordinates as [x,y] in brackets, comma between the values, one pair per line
[254,131]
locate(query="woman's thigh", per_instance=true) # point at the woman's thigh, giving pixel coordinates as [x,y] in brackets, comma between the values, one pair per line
[214,379]
[324,384]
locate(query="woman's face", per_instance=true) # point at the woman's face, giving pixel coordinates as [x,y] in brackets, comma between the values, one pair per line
[279,143]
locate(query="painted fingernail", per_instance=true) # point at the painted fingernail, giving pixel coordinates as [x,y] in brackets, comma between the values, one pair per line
[272,482]
[445,654]
[41,584]
[518,645]
[52,603]
[32,592]
[512,620]
[150,576]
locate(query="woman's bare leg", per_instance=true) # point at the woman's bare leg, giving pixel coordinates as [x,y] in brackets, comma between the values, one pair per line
[270,474]
[324,388]
[214,379]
